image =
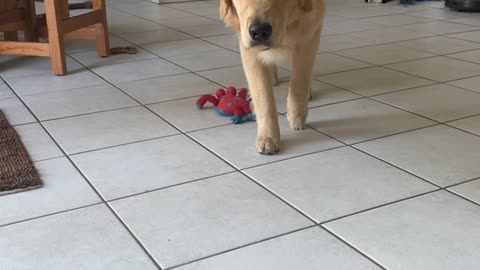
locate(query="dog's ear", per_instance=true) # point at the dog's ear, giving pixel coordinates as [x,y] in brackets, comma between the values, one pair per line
[229,15]
[306,5]
[226,7]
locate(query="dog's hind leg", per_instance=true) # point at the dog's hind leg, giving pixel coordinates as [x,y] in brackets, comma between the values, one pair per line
[300,84]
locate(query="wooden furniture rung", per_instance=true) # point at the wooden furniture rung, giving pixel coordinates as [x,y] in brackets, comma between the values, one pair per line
[87,33]
[81,21]
[25,48]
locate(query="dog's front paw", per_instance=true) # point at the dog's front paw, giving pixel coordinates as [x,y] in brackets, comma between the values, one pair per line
[268,145]
[297,121]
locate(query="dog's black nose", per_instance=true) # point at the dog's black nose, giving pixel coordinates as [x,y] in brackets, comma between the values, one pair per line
[260,32]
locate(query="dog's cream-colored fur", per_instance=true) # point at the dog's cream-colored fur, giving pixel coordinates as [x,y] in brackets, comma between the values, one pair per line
[297,25]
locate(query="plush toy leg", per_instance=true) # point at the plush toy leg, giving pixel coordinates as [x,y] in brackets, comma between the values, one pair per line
[238,114]
[206,98]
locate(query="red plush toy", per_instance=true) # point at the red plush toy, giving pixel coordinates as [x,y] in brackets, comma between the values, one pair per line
[229,104]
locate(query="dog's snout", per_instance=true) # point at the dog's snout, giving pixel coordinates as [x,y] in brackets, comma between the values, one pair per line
[260,31]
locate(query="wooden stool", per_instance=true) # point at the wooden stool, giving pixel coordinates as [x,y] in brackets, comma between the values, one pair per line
[61,26]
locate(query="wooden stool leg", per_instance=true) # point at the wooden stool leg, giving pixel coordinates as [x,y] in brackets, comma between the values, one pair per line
[103,45]
[53,10]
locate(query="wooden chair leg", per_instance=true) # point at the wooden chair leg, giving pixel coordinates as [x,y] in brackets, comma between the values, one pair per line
[103,45]
[53,9]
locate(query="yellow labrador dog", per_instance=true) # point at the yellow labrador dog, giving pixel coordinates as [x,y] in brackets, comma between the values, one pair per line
[270,31]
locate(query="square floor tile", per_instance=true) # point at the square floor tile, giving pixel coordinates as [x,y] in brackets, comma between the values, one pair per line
[235,76]
[30,65]
[472,83]
[16,112]
[138,70]
[203,11]
[78,45]
[343,42]
[144,166]
[90,236]
[439,28]
[439,45]
[180,47]
[326,63]
[374,81]
[77,101]
[307,250]
[322,93]
[472,20]
[439,68]
[347,26]
[5,91]
[212,215]
[437,14]
[470,190]
[44,83]
[63,189]
[207,60]
[206,30]
[38,143]
[440,154]
[356,13]
[384,54]
[154,12]
[471,36]
[387,35]
[395,20]
[229,42]
[471,124]
[91,58]
[236,143]
[168,88]
[337,182]
[185,115]
[186,21]
[100,130]
[154,36]
[435,231]
[119,28]
[439,102]
[471,56]
[361,120]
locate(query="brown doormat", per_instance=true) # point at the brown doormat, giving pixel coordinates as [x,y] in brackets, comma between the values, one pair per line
[17,172]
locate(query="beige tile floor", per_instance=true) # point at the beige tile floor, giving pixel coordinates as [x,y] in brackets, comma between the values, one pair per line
[387,175]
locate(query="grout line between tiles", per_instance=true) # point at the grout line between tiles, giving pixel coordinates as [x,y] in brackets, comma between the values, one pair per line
[243,246]
[122,144]
[50,214]
[352,247]
[171,186]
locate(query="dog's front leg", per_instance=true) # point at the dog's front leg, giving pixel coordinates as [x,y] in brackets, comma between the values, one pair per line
[300,84]
[274,71]
[260,82]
